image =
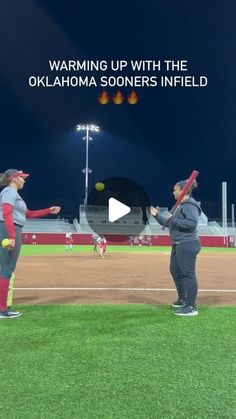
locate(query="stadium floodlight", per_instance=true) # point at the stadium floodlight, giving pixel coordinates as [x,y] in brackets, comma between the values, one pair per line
[87,138]
[89,127]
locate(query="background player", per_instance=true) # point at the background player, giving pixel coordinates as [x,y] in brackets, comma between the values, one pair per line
[95,239]
[131,240]
[102,245]
[69,240]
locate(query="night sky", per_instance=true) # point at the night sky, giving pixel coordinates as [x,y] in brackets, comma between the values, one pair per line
[157,142]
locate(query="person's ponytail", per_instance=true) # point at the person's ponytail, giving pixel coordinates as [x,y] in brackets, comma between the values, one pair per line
[3,180]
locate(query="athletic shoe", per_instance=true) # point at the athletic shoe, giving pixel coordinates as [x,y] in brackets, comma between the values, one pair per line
[178,304]
[186,311]
[8,314]
[11,308]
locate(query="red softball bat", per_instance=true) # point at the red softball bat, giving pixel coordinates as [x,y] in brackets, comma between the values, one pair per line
[185,189]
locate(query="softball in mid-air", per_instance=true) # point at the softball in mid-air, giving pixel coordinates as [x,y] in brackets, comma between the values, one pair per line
[99,186]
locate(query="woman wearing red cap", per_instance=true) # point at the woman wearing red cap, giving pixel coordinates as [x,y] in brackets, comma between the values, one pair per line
[13,214]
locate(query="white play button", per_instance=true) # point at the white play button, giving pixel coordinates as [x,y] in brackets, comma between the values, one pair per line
[116,210]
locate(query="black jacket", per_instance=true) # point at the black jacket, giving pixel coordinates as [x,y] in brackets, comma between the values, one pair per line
[183,224]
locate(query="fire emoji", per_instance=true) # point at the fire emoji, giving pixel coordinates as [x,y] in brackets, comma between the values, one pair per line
[118,98]
[103,98]
[132,99]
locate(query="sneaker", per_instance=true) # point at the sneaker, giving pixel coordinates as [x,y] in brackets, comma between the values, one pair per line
[11,308]
[178,304]
[186,311]
[8,314]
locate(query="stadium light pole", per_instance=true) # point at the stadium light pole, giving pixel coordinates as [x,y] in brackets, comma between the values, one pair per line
[87,128]
[233,216]
[224,212]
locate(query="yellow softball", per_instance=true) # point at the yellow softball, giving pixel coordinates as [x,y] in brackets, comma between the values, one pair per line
[99,187]
[5,242]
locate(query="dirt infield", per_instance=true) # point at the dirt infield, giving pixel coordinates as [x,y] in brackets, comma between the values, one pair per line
[216,271]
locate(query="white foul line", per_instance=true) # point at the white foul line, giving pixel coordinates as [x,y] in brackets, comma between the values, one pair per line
[114,289]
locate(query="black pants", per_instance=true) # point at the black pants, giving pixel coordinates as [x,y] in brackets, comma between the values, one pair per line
[182,269]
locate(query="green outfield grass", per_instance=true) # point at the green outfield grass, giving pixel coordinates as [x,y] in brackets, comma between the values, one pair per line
[58,249]
[118,362]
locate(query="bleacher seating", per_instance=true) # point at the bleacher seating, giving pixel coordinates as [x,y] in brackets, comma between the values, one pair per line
[129,230]
[44,225]
[98,216]
[131,224]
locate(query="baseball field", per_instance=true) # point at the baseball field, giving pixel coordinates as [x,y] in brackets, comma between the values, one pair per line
[98,338]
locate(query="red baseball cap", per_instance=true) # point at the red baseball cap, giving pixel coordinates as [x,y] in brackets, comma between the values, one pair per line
[15,173]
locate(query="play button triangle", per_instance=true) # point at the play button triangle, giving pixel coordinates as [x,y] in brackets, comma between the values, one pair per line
[116,210]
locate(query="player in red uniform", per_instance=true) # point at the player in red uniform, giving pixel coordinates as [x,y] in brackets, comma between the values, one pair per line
[102,245]
[69,240]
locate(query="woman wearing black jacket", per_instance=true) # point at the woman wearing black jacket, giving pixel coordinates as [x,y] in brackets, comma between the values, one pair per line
[185,247]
